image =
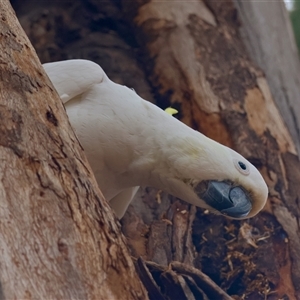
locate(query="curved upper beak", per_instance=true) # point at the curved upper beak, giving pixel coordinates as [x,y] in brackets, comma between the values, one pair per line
[229,200]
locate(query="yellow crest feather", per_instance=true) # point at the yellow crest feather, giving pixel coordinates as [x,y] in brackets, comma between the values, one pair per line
[171,111]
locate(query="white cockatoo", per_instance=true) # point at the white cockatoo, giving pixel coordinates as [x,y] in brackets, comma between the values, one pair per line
[131,142]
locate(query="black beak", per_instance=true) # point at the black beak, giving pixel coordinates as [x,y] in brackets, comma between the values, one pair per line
[230,200]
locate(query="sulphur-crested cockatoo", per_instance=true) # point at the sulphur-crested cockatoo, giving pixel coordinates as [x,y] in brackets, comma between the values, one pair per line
[131,142]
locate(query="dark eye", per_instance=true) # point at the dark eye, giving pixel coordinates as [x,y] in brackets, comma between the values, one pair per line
[242,167]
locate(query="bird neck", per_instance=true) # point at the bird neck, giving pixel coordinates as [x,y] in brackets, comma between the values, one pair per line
[167,158]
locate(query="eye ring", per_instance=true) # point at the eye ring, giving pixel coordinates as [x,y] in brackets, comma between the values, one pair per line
[242,166]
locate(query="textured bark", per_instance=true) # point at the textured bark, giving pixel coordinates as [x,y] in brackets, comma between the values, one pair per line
[58,237]
[219,91]
[224,95]
[272,46]
[191,56]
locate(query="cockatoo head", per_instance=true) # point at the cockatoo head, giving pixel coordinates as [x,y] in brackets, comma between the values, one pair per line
[221,180]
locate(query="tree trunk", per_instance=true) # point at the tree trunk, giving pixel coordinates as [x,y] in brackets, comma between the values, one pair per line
[191,56]
[272,46]
[58,237]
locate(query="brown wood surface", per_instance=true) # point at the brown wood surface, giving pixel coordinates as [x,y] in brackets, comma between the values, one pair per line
[268,35]
[191,55]
[58,237]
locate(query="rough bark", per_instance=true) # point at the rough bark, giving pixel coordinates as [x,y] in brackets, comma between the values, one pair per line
[224,95]
[191,56]
[269,38]
[58,237]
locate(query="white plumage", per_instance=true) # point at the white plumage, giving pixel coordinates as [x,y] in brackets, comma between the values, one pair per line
[130,142]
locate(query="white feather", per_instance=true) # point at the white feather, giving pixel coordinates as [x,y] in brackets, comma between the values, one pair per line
[130,142]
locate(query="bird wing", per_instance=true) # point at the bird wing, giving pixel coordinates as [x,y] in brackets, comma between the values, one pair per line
[72,78]
[121,201]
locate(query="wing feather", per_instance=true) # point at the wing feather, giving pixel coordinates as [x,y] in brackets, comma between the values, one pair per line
[73,77]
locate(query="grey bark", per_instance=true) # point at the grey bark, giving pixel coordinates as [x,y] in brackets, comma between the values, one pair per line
[266,30]
[191,56]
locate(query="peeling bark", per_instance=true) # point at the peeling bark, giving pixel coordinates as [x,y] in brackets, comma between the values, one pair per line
[191,56]
[216,85]
[272,46]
